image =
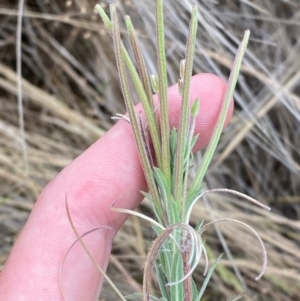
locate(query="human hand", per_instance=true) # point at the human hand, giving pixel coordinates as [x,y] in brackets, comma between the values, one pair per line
[93,182]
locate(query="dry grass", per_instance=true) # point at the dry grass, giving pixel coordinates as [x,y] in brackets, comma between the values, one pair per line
[70,90]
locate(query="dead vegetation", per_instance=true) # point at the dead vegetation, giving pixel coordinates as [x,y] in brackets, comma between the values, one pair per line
[70,89]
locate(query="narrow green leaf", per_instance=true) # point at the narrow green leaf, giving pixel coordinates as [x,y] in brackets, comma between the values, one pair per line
[194,290]
[199,225]
[221,120]
[154,83]
[161,281]
[173,143]
[177,272]
[173,146]
[140,60]
[185,110]
[196,107]
[105,18]
[207,278]
[163,90]
[165,258]
[146,84]
[151,118]
[169,205]
[130,108]
[163,185]
[173,212]
[188,158]
[193,141]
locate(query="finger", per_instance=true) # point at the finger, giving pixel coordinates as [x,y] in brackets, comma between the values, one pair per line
[93,182]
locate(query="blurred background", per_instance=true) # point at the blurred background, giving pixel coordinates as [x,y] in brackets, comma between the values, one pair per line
[70,89]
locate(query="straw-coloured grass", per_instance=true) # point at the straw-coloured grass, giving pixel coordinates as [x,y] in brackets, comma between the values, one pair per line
[70,89]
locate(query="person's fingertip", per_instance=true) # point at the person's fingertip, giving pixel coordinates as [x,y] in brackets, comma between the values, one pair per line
[210,89]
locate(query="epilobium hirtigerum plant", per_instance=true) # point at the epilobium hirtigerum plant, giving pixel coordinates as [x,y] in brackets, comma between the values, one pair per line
[178,247]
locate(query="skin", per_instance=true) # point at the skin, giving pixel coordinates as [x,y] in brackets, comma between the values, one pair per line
[93,182]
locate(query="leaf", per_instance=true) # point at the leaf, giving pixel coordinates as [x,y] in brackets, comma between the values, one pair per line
[138,87]
[130,108]
[222,116]
[163,90]
[177,273]
[207,278]
[161,281]
[185,110]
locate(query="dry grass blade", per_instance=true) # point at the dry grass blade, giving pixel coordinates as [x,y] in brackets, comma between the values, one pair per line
[258,154]
[49,102]
[79,238]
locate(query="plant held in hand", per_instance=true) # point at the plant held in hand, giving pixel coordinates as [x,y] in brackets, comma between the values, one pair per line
[166,161]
